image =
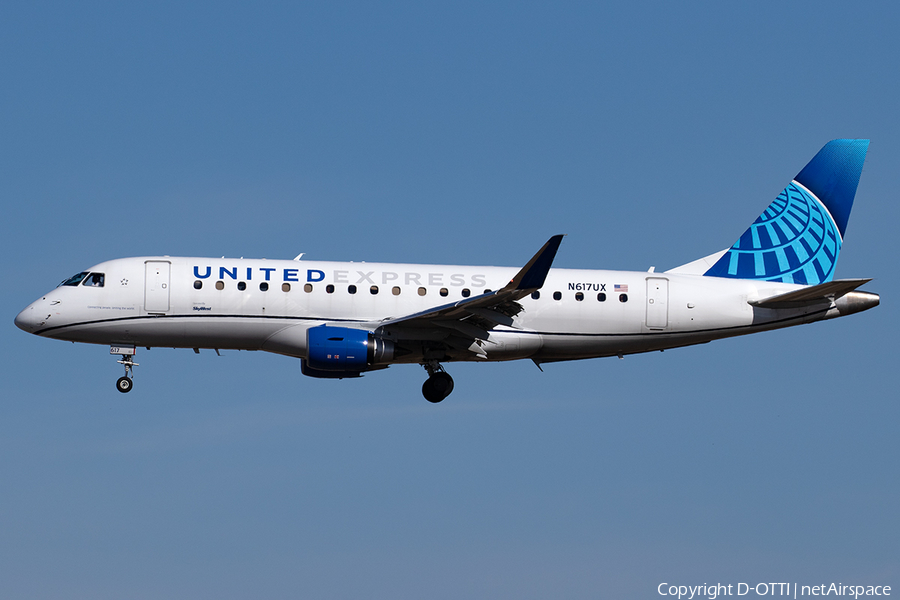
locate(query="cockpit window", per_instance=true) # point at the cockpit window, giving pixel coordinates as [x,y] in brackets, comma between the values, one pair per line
[74,279]
[94,280]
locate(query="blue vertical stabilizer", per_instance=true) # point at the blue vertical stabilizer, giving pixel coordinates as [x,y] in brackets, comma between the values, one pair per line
[798,237]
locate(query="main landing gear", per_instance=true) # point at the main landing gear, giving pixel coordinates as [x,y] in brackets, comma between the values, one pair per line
[439,383]
[124,384]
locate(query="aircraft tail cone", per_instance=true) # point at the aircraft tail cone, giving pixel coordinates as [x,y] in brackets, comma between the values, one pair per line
[854,302]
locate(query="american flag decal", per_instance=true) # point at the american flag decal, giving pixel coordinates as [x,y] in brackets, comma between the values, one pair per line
[622,288]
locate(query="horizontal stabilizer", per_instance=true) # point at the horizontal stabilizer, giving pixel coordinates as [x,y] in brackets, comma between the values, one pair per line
[824,292]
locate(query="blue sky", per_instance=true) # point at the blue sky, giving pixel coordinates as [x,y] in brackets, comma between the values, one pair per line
[652,134]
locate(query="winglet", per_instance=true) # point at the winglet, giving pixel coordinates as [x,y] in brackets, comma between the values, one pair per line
[533,274]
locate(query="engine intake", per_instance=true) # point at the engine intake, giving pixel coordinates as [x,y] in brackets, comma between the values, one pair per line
[345,349]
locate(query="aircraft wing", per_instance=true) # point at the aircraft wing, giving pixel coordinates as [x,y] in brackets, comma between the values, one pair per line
[471,318]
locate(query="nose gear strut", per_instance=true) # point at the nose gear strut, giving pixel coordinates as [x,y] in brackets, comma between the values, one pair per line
[124,384]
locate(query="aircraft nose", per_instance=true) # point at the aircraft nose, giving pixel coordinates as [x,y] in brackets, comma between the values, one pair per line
[25,319]
[33,317]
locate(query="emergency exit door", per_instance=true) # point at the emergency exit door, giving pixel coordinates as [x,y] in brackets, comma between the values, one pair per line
[657,303]
[156,286]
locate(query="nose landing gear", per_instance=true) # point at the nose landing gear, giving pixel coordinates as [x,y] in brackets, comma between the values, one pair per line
[439,383]
[124,384]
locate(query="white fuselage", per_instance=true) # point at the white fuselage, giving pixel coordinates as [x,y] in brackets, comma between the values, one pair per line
[257,304]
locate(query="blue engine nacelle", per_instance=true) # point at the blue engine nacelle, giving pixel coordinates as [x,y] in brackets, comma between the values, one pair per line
[344,350]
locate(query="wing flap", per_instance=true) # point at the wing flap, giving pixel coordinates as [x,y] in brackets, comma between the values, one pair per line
[471,332]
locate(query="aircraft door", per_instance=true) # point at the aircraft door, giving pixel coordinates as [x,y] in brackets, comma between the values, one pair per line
[657,303]
[156,285]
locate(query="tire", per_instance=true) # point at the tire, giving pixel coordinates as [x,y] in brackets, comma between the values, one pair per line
[124,385]
[437,387]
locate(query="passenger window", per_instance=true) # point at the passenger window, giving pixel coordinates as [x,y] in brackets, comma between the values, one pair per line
[285,287]
[94,280]
[198,285]
[395,290]
[220,285]
[557,295]
[264,287]
[601,297]
[74,279]
[466,292]
[307,288]
[623,297]
[329,288]
[579,296]
[422,291]
[351,289]
[444,291]
[535,295]
[373,290]
[242,286]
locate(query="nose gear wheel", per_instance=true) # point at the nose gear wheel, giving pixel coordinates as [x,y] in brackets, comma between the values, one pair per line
[124,384]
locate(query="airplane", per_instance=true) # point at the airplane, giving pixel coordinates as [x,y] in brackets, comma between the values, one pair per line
[343,319]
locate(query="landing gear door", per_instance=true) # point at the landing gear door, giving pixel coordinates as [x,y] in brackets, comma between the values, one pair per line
[657,303]
[156,286]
